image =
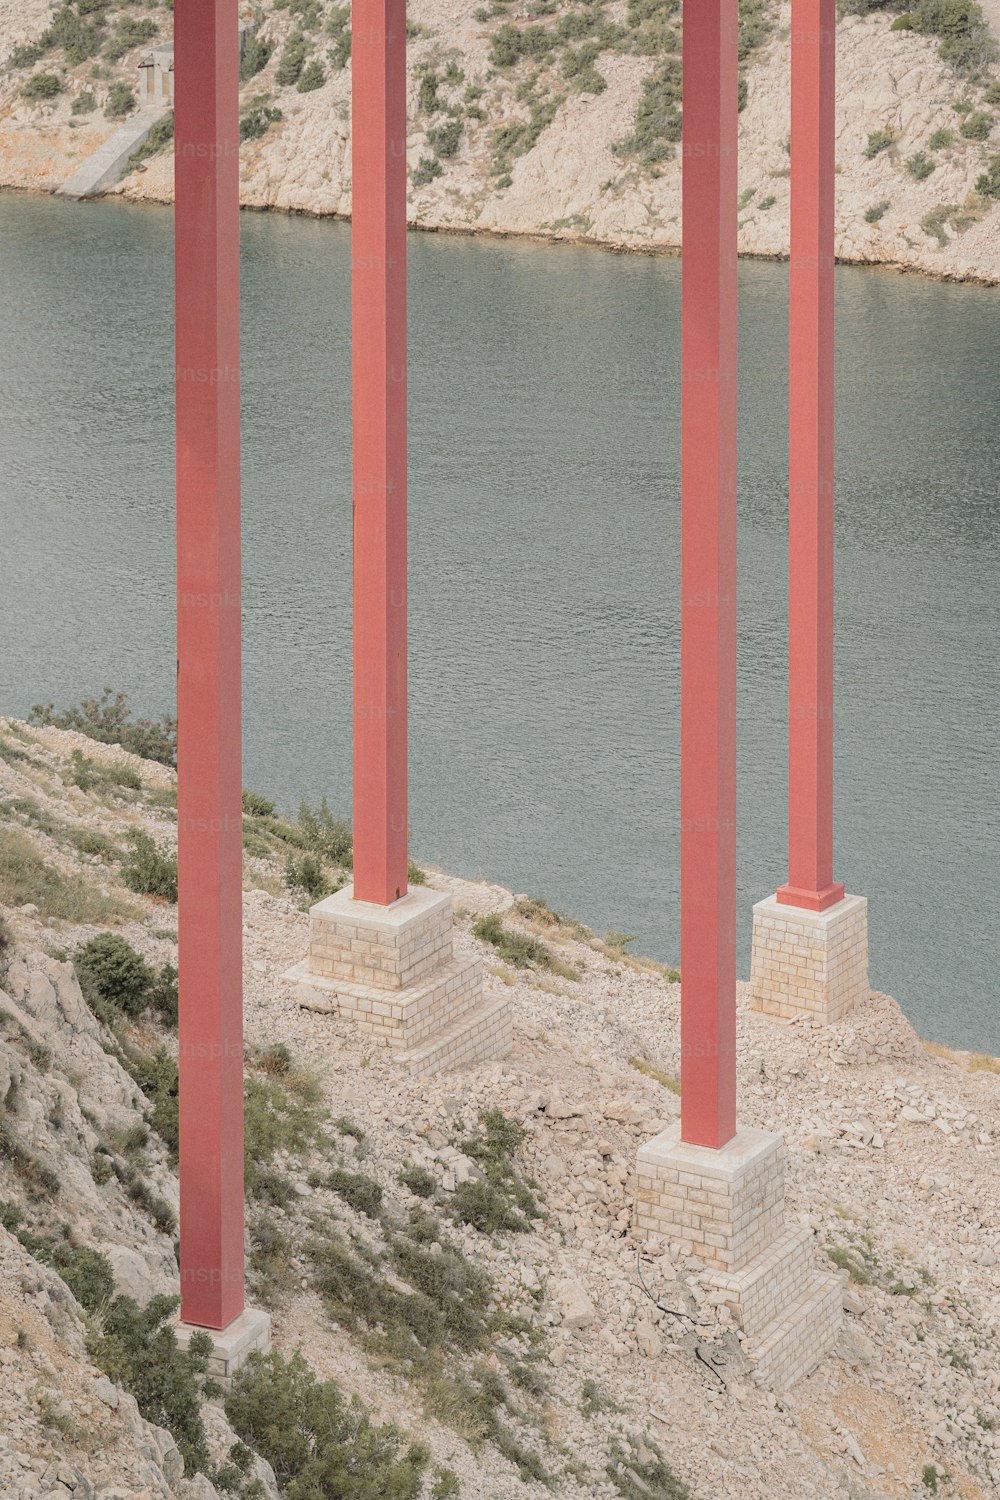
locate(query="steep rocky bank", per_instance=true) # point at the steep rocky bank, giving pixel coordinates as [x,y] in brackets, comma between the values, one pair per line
[560,120]
[594,1376]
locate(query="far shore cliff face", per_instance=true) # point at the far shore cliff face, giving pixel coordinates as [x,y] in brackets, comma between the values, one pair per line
[567,134]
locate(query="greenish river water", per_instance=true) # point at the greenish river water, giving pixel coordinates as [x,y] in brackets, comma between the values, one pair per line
[544,561]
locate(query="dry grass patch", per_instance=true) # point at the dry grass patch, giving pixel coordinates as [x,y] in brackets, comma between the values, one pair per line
[25,878]
[650,1070]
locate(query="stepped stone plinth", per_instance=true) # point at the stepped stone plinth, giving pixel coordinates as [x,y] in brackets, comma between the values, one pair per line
[812,963]
[393,971]
[727,1207]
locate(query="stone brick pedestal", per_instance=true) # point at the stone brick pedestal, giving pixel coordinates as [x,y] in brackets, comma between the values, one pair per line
[393,971]
[727,1208]
[248,1334]
[809,962]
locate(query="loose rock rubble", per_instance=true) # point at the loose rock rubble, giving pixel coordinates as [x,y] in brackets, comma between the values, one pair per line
[891,1154]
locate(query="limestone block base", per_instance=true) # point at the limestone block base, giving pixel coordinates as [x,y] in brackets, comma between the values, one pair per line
[248,1334]
[809,962]
[727,1208]
[392,970]
[723,1206]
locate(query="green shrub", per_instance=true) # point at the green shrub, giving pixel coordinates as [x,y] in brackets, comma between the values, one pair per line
[878,141]
[156,1076]
[419,1181]
[362,1193]
[109,719]
[88,774]
[427,168]
[991,94]
[578,65]
[313,76]
[292,60]
[255,123]
[340,53]
[320,1445]
[658,118]
[977,126]
[41,86]
[326,835]
[256,55]
[6,945]
[877,211]
[101,1167]
[501,1200]
[920,165]
[644,1475]
[120,101]
[277,1119]
[256,806]
[163,997]
[137,1349]
[156,141]
[86,1272]
[26,55]
[941,139]
[307,874]
[989,183]
[486,1208]
[148,870]
[428,98]
[445,139]
[89,841]
[129,32]
[113,977]
[78,39]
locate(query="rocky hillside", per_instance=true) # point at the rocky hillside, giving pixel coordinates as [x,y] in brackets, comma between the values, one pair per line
[456,1253]
[555,117]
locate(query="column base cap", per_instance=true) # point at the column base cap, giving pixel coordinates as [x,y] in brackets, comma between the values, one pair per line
[794,895]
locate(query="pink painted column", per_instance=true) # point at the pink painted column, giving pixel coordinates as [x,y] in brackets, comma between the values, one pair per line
[708,576]
[378,105]
[209,796]
[810,470]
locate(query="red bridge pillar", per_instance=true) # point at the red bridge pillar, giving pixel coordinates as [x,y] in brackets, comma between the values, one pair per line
[716,1191]
[810,945]
[379,395]
[810,461]
[209,797]
[708,575]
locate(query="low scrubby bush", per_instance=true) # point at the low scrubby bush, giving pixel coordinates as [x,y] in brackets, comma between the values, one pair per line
[120,101]
[988,184]
[42,86]
[878,141]
[113,976]
[148,870]
[320,1445]
[109,719]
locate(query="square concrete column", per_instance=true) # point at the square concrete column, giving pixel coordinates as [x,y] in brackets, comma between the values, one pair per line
[392,970]
[809,962]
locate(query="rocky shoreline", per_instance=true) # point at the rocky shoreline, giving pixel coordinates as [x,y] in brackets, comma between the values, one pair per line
[908,159]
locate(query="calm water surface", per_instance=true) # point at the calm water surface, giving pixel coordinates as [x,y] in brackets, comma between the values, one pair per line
[544,561]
